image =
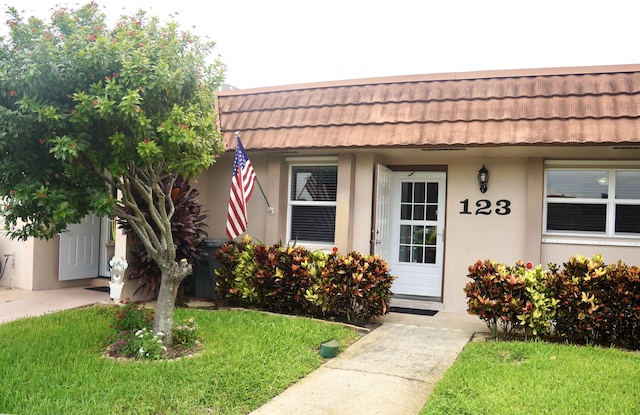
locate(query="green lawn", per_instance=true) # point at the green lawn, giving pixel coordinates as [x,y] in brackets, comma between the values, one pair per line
[538,378]
[53,365]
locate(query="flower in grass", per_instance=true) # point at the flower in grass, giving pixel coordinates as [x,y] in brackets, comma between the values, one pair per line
[148,345]
[185,333]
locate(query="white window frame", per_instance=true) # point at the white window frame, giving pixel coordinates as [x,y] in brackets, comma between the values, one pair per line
[308,162]
[610,201]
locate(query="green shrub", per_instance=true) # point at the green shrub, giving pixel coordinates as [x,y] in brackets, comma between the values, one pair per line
[272,278]
[513,298]
[354,287]
[146,345]
[132,316]
[541,305]
[283,276]
[598,304]
[133,336]
[185,333]
[237,266]
[496,295]
[585,301]
[294,280]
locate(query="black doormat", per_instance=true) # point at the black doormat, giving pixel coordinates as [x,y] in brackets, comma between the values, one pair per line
[416,311]
[101,289]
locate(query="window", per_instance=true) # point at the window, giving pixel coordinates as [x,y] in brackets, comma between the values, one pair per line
[312,203]
[593,201]
[418,222]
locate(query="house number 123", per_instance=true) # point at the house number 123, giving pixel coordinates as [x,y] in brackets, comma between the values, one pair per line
[483,207]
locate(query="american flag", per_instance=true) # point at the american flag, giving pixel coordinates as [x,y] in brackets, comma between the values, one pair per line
[242,183]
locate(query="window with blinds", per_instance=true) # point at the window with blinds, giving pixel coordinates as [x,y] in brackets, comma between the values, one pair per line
[312,203]
[597,201]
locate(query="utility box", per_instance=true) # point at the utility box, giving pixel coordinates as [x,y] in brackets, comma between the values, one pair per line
[204,275]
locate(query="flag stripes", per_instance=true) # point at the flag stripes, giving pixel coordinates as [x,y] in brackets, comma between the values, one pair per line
[242,183]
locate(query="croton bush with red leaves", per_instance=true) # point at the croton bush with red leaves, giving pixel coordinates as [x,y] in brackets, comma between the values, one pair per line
[513,298]
[294,280]
[598,303]
[352,287]
[584,301]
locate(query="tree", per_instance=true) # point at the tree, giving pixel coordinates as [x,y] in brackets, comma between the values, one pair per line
[188,230]
[89,110]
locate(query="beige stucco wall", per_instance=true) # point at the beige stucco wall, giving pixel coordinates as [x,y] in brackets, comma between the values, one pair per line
[214,186]
[476,236]
[516,175]
[45,266]
[559,253]
[363,202]
[33,265]
[19,267]
[467,236]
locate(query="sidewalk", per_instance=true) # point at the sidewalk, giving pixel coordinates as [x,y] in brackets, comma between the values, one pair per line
[391,371]
[16,303]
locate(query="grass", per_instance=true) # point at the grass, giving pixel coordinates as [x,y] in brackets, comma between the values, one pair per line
[53,365]
[538,378]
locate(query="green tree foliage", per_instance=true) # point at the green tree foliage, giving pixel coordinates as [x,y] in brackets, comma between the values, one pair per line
[88,109]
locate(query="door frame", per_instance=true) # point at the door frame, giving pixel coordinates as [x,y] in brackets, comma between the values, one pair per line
[397,169]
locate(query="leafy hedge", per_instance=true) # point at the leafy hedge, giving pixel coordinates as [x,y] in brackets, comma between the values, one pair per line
[585,301]
[294,280]
[515,298]
[598,303]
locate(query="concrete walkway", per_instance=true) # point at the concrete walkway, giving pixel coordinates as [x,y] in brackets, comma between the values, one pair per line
[16,303]
[389,371]
[392,370]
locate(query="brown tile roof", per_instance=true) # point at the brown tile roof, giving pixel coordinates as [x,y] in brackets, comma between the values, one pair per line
[591,105]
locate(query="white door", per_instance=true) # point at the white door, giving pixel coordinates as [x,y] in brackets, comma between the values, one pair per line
[416,227]
[382,196]
[80,250]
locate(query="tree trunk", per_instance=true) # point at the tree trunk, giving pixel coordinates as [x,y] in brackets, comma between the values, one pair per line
[170,281]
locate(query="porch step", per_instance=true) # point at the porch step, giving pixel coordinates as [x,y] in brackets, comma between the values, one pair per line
[417,304]
[99,282]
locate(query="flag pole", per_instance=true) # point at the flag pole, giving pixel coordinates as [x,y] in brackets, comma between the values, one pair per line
[269,208]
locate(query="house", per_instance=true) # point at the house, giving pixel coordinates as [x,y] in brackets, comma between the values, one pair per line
[73,258]
[391,166]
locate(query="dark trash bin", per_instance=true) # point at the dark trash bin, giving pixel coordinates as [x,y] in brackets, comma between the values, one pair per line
[204,275]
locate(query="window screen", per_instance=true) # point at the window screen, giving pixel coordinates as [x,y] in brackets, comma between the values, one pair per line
[312,201]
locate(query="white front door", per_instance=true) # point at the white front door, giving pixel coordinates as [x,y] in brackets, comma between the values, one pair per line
[80,250]
[416,233]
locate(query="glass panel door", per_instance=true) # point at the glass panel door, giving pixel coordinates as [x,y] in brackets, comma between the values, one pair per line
[417,241]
